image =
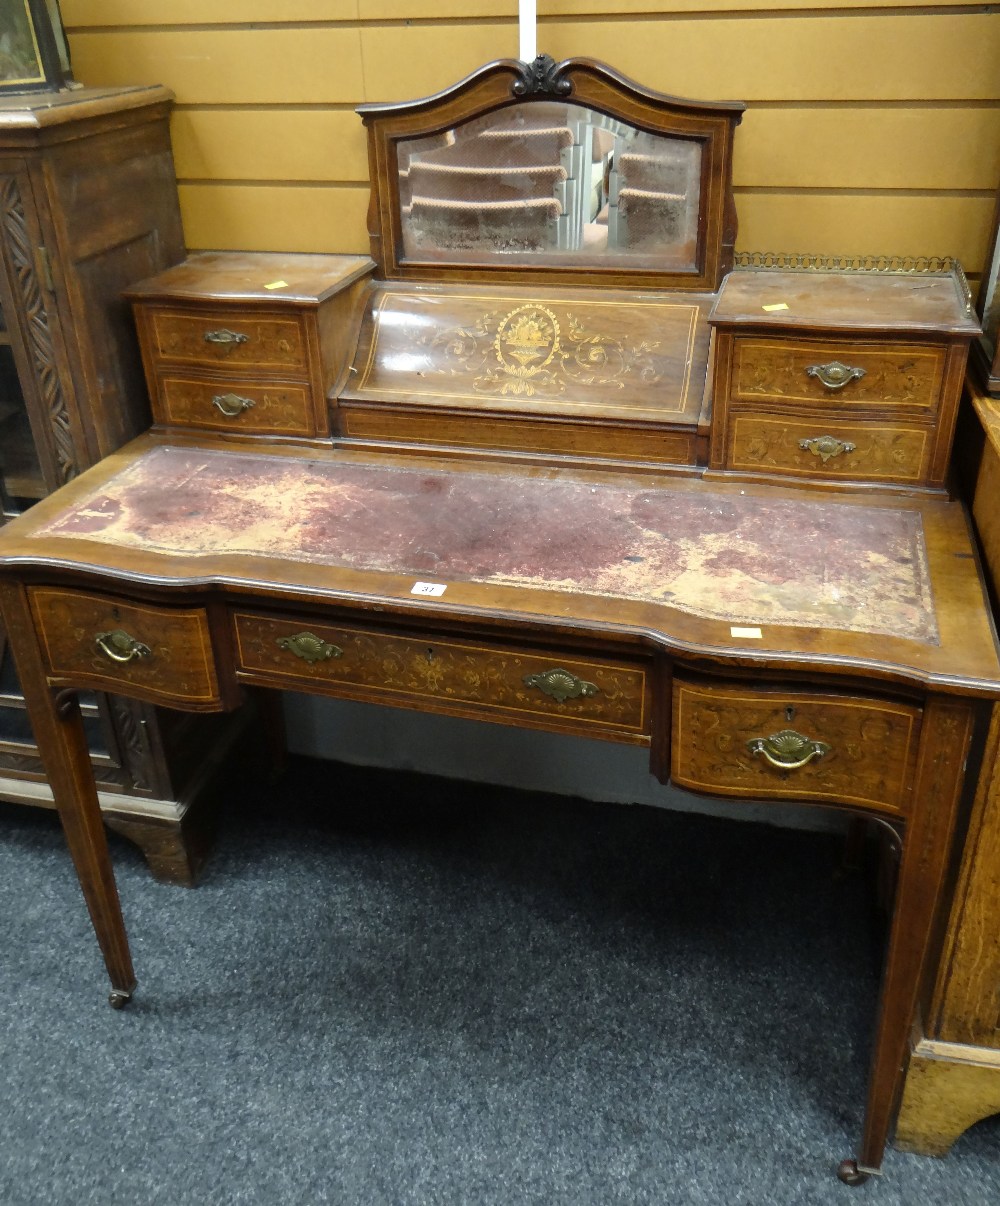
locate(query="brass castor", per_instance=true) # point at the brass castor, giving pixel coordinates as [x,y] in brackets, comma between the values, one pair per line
[118,999]
[850,1174]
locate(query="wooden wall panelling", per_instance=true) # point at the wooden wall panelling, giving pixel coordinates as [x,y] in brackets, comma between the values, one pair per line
[270,153]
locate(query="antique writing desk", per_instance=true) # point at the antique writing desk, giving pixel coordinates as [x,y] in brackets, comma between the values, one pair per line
[471,482]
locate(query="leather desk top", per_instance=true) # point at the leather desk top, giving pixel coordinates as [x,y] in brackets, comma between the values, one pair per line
[890,585]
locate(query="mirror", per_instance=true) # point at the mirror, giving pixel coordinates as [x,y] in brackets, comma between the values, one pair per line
[548,181]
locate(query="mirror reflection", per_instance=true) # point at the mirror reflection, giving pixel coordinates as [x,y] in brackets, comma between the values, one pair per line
[546,180]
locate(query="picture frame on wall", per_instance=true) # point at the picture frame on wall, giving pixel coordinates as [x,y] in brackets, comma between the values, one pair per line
[34,55]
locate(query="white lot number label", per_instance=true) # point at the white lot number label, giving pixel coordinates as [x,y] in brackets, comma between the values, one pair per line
[428,588]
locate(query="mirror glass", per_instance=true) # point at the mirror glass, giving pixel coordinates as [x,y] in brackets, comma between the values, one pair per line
[547,181]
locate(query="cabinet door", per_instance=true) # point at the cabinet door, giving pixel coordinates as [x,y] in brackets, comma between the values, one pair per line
[41,438]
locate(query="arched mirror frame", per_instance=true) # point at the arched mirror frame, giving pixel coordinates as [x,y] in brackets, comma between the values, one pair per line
[583,82]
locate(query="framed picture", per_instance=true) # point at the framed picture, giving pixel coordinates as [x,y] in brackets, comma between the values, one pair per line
[33,51]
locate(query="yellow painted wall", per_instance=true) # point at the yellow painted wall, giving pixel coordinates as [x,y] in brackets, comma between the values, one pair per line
[872,127]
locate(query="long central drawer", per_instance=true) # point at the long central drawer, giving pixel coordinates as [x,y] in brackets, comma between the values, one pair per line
[602,697]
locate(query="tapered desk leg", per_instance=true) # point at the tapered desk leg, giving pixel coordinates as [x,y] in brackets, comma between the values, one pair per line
[947,731]
[62,745]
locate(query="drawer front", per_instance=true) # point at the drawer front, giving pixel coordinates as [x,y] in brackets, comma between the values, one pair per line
[165,653]
[511,684]
[818,372]
[230,337]
[728,737]
[236,405]
[828,448]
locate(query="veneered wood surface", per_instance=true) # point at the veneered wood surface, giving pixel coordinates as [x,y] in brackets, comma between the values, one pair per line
[465,678]
[853,300]
[271,342]
[274,278]
[883,451]
[872,744]
[899,377]
[539,351]
[180,666]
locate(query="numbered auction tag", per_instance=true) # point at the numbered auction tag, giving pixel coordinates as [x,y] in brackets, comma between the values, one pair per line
[752,634]
[428,588]
[277,285]
[776,306]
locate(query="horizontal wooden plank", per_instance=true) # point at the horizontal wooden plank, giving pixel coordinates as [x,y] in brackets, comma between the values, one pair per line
[272,144]
[270,66]
[852,224]
[951,148]
[912,57]
[274,218]
[862,147]
[79,14]
[315,218]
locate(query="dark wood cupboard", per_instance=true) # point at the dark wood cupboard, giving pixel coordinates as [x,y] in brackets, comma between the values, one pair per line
[88,206]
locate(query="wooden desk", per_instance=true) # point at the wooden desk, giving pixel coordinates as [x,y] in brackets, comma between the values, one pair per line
[763,642]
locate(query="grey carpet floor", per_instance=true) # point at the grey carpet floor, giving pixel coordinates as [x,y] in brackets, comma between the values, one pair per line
[393,989]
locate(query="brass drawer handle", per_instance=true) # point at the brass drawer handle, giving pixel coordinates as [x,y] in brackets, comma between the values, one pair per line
[309,647]
[560,685]
[787,750]
[826,446]
[232,405]
[225,338]
[835,375]
[121,647]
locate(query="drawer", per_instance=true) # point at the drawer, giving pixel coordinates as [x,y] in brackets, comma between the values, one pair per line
[846,373]
[602,697]
[823,447]
[735,740]
[230,336]
[162,654]
[281,408]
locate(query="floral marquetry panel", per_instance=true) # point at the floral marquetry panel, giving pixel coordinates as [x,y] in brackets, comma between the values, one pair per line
[513,685]
[870,745]
[826,447]
[607,354]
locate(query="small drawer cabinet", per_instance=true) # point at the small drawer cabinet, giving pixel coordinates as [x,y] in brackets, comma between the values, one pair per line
[839,376]
[248,342]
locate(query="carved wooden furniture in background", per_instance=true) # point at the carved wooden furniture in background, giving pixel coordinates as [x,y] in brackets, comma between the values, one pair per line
[953,1079]
[88,204]
[832,647]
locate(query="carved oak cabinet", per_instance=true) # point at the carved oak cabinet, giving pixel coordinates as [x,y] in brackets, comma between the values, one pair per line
[88,205]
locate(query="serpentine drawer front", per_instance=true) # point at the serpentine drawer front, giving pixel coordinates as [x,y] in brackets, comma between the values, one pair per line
[230,403]
[229,339]
[162,654]
[795,372]
[585,694]
[735,740]
[828,447]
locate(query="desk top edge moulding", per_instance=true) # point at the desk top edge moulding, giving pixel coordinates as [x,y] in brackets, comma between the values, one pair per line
[548,459]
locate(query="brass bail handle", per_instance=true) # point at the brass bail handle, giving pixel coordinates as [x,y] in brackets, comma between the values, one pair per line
[834,375]
[787,750]
[232,405]
[120,646]
[225,337]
